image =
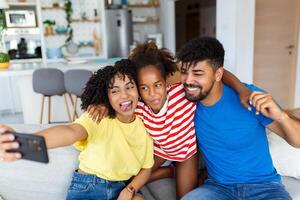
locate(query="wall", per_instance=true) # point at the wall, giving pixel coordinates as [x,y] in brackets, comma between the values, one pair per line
[297,88]
[235,29]
[167,24]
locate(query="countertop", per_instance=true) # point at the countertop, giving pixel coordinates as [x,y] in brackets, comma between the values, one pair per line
[21,69]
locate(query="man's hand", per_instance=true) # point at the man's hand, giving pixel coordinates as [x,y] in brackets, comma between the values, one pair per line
[7,143]
[97,112]
[125,194]
[265,104]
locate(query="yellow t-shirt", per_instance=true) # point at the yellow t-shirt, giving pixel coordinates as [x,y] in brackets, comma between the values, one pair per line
[114,150]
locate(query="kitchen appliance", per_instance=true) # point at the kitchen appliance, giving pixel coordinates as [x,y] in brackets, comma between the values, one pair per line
[23,43]
[20,18]
[119,31]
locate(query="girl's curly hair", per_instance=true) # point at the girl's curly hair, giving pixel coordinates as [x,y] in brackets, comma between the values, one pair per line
[96,90]
[148,54]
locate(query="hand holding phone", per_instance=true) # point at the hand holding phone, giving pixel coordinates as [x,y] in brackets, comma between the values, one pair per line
[31,147]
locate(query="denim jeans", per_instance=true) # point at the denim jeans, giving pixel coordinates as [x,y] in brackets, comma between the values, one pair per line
[90,187]
[213,190]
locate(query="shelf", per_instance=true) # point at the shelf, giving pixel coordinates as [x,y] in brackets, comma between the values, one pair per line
[21,4]
[56,34]
[142,6]
[85,20]
[154,22]
[52,7]
[86,45]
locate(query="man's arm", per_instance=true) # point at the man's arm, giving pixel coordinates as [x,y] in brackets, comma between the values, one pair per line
[238,86]
[285,125]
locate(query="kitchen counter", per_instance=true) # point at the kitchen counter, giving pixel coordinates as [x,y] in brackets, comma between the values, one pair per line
[21,69]
[17,95]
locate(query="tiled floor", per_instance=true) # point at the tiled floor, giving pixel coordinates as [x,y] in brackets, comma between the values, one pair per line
[11,118]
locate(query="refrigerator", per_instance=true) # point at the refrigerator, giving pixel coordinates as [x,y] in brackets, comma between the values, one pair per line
[119,31]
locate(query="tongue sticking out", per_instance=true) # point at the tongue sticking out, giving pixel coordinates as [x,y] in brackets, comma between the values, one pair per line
[125,106]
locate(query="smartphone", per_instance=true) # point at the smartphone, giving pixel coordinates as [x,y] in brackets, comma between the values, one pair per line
[32,147]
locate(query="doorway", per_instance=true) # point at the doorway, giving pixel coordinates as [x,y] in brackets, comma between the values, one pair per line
[275,48]
[194,18]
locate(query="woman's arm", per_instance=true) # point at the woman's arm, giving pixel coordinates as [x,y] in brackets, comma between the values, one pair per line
[136,184]
[57,136]
[63,135]
[238,86]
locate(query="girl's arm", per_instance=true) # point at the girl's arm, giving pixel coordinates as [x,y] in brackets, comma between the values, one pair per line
[136,184]
[97,112]
[238,86]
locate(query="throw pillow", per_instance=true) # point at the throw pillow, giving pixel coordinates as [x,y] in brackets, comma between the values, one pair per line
[286,158]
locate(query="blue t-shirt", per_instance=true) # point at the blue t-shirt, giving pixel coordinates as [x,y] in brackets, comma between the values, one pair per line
[233,141]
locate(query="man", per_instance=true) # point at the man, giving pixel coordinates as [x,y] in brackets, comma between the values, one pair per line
[231,138]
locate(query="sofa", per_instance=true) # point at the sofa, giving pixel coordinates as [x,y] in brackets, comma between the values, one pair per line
[31,180]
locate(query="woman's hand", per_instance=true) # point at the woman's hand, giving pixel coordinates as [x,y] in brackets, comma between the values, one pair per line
[97,112]
[125,194]
[7,143]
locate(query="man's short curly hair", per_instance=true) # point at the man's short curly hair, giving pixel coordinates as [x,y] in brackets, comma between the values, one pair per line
[96,90]
[147,53]
[200,49]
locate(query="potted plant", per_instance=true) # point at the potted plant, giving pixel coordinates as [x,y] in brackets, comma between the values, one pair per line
[2,29]
[49,26]
[4,60]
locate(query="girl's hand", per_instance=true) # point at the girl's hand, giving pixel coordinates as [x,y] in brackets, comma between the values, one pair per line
[7,143]
[97,112]
[245,98]
[125,194]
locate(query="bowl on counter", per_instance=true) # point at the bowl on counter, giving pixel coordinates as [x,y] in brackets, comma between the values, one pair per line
[54,53]
[61,30]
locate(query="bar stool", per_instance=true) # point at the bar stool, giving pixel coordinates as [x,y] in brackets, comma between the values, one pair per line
[75,81]
[49,82]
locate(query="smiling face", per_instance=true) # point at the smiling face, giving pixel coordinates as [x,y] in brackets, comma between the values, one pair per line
[123,97]
[152,87]
[199,80]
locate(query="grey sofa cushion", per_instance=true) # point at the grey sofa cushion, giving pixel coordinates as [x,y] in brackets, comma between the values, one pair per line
[30,180]
[163,189]
[292,185]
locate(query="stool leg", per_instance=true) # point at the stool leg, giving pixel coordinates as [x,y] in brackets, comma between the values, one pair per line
[68,111]
[49,109]
[71,98]
[74,108]
[42,110]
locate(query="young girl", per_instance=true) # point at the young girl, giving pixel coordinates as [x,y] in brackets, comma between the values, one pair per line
[167,115]
[117,154]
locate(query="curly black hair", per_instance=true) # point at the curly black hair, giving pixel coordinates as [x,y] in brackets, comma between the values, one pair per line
[96,90]
[200,49]
[147,53]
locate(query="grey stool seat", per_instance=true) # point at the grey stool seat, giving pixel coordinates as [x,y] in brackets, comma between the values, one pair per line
[75,81]
[49,82]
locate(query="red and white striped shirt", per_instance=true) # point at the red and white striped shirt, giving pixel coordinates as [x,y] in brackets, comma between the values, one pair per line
[172,129]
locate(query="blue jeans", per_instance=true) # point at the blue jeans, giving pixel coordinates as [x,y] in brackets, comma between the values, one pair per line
[213,190]
[90,187]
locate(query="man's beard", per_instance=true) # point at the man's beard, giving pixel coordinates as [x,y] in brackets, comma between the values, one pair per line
[202,94]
